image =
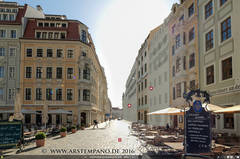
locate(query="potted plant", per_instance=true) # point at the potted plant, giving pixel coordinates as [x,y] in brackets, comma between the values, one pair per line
[40,139]
[63,132]
[74,129]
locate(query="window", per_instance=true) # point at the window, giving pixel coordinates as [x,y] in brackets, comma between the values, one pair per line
[50,35]
[49,73]
[86,72]
[139,88]
[59,94]
[2,51]
[173,50]
[13,34]
[142,58]
[40,24]
[145,99]
[29,52]
[184,62]
[178,86]
[1,71]
[70,54]
[191,10]
[84,36]
[173,71]
[38,35]
[63,35]
[28,72]
[69,73]
[226,32]
[178,41]
[46,24]
[84,54]
[210,74]
[56,35]
[49,52]
[139,115]
[64,25]
[52,24]
[184,38]
[28,94]
[178,64]
[145,54]
[11,94]
[2,33]
[191,34]
[173,28]
[141,70]
[58,25]
[11,17]
[185,86]
[12,52]
[227,68]
[27,118]
[145,67]
[142,85]
[49,94]
[59,53]
[79,94]
[208,9]
[145,83]
[39,72]
[229,121]
[142,100]
[174,94]
[222,2]
[192,85]
[79,73]
[5,17]
[44,35]
[86,95]
[39,52]
[38,93]
[209,40]
[11,73]
[59,73]
[1,93]
[192,60]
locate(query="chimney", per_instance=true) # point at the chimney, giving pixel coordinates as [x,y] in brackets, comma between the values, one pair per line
[39,8]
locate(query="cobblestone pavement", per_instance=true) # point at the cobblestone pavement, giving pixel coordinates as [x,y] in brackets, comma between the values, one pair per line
[105,140]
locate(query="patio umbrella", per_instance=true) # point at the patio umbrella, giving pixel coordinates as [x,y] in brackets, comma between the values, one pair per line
[211,107]
[168,111]
[234,109]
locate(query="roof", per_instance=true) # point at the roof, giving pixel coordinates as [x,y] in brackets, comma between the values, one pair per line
[72,30]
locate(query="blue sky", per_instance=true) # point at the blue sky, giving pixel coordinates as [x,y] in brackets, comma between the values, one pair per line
[118,28]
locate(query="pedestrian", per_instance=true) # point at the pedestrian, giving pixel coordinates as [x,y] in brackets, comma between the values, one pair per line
[95,123]
[167,126]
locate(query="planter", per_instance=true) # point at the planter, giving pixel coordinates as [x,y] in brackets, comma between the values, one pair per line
[74,130]
[40,143]
[63,134]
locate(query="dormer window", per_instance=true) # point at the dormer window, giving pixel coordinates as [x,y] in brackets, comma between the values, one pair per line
[56,35]
[50,35]
[63,35]
[84,36]
[40,24]
[38,35]
[64,25]
[46,24]
[52,24]
[44,35]
[11,17]
[58,25]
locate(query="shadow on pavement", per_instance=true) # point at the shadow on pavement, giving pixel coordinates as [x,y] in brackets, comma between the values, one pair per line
[59,137]
[26,150]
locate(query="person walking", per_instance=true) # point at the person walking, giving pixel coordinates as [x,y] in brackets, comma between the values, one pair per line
[95,123]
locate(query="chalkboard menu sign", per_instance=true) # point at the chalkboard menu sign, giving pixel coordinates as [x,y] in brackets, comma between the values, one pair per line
[198,131]
[10,134]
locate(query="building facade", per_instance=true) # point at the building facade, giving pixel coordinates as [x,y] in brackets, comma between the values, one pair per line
[129,98]
[54,63]
[219,42]
[142,83]
[183,33]
[159,73]
[12,23]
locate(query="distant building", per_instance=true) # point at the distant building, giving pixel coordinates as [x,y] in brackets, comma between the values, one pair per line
[117,113]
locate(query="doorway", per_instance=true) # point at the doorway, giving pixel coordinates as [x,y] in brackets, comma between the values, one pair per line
[83,119]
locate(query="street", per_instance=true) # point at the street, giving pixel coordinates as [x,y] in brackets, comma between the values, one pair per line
[104,140]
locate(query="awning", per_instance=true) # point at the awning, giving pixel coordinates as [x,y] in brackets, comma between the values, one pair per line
[167,111]
[234,109]
[24,111]
[59,111]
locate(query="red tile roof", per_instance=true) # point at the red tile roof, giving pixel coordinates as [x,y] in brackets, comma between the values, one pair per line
[20,15]
[31,27]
